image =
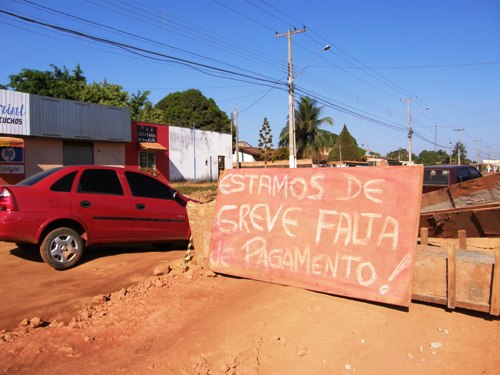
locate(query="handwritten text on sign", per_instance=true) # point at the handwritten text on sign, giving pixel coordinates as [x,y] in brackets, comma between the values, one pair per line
[350,232]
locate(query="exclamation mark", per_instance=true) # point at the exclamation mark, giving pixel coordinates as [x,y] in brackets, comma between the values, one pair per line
[404,264]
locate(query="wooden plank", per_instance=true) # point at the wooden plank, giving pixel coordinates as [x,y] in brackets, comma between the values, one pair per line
[471,193]
[429,298]
[488,221]
[447,223]
[474,306]
[424,236]
[495,286]
[345,231]
[451,266]
[462,239]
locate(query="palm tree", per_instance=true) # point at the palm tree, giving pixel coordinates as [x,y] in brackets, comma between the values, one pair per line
[310,139]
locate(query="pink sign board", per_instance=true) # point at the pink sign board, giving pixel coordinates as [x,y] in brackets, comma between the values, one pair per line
[343,231]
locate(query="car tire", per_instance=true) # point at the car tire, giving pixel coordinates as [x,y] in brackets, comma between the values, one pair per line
[62,248]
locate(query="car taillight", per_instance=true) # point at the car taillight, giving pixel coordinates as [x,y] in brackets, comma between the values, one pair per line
[7,201]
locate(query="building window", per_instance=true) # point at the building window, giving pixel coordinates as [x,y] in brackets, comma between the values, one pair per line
[147,162]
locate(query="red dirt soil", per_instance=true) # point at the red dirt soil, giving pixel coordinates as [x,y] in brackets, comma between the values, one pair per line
[191,321]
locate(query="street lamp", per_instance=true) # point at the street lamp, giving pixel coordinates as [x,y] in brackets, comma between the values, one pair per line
[325,48]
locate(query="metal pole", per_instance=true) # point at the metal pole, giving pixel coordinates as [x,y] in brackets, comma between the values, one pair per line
[410,132]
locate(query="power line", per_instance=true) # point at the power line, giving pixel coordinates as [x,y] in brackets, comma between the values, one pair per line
[141,51]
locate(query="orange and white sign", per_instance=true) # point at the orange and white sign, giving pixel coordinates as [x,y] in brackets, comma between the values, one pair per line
[349,232]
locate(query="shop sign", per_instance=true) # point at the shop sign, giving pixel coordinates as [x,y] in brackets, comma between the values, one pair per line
[14,112]
[11,155]
[12,168]
[146,134]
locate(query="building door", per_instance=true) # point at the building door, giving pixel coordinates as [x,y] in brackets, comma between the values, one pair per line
[78,153]
[221,162]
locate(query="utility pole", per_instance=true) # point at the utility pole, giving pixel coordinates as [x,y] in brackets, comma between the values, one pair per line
[292,145]
[477,141]
[459,143]
[410,132]
[236,132]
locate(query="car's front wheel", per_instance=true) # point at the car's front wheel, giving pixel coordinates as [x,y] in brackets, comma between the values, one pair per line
[62,248]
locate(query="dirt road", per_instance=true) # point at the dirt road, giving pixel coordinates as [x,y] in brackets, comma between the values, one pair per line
[190,321]
[30,288]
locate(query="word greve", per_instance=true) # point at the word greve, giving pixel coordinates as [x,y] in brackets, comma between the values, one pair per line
[337,226]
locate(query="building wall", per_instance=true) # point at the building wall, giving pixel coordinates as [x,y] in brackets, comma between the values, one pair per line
[41,154]
[38,159]
[60,118]
[194,154]
[109,153]
[243,157]
[162,157]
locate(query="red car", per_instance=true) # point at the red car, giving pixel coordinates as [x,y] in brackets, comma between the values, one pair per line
[441,176]
[63,210]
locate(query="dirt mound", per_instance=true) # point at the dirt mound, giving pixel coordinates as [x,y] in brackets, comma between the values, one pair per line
[203,196]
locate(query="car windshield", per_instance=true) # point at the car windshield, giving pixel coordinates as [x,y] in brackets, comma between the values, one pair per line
[436,177]
[37,177]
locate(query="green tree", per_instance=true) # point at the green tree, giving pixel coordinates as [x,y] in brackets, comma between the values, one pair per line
[463,152]
[330,138]
[265,141]
[309,138]
[63,84]
[400,155]
[192,107]
[58,83]
[281,153]
[432,157]
[346,148]
[105,93]
[138,103]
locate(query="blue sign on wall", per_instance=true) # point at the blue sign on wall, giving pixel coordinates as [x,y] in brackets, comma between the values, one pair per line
[11,154]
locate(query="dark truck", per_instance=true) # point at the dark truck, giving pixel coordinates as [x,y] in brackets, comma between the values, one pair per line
[440,176]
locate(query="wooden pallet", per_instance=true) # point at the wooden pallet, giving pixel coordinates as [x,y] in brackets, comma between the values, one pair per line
[456,276]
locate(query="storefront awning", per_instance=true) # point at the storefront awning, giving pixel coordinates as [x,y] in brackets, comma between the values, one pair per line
[11,142]
[152,146]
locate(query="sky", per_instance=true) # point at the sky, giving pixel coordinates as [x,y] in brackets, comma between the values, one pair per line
[443,57]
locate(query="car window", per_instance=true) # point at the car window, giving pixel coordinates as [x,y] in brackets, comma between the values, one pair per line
[148,187]
[100,181]
[64,183]
[436,177]
[462,174]
[474,172]
[37,177]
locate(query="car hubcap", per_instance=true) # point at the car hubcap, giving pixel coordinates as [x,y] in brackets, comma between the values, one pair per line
[63,248]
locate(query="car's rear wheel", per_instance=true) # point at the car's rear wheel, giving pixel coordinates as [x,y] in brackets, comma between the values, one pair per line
[62,248]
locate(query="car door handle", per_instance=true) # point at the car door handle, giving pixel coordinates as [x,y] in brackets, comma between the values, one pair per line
[85,204]
[140,206]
